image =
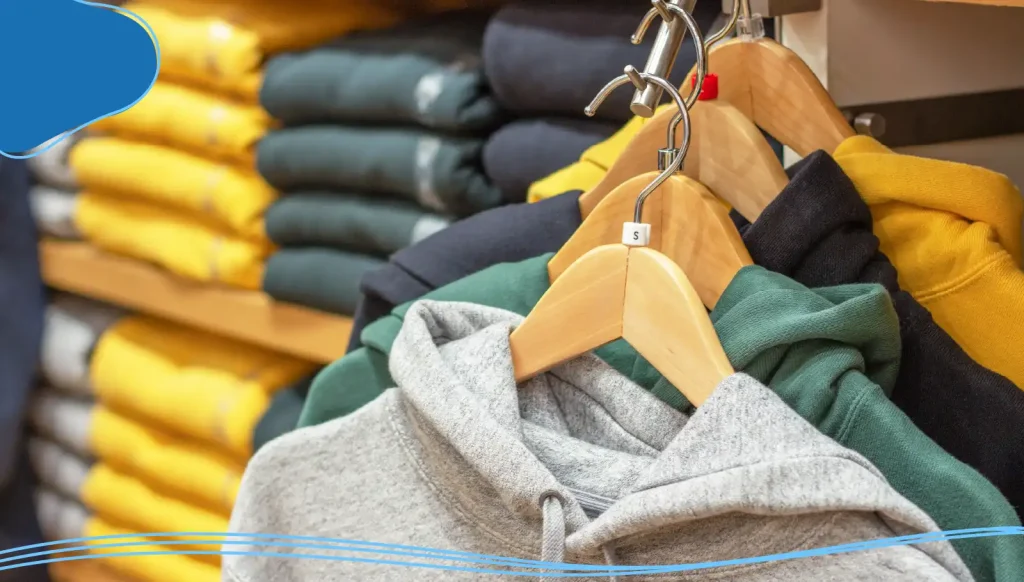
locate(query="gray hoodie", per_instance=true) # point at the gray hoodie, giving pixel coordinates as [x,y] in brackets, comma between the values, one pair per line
[578,465]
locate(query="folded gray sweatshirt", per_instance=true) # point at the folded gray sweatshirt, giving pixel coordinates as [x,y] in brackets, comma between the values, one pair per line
[54,211]
[60,518]
[578,465]
[51,167]
[73,326]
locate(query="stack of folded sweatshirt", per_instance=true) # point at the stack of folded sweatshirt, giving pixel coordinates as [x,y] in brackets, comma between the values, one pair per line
[546,61]
[172,180]
[146,426]
[380,147]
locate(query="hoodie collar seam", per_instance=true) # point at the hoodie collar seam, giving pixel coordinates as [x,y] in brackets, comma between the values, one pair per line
[969,278]
[395,418]
[762,463]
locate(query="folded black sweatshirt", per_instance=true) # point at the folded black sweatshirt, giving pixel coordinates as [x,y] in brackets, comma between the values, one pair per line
[527,150]
[552,57]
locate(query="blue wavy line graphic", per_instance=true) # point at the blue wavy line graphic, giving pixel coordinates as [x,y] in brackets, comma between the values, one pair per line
[552,569]
[52,141]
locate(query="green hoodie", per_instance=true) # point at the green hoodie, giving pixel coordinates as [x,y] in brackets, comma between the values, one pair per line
[832,354]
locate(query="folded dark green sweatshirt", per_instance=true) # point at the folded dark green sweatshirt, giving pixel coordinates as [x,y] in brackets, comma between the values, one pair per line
[830,353]
[324,279]
[441,173]
[425,72]
[332,85]
[353,223]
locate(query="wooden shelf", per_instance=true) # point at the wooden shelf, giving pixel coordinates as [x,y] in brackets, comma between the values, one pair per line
[1017,3]
[249,316]
[84,571]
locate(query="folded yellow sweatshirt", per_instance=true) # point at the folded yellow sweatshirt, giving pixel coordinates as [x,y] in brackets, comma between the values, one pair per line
[148,568]
[221,44]
[228,195]
[62,518]
[183,244]
[191,383]
[195,120]
[585,173]
[953,231]
[125,500]
[190,471]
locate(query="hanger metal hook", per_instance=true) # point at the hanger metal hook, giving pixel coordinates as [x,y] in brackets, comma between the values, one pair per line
[631,75]
[738,6]
[670,12]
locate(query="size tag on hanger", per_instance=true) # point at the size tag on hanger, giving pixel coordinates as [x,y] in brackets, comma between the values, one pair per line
[636,234]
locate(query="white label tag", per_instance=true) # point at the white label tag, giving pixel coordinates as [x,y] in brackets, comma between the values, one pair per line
[636,234]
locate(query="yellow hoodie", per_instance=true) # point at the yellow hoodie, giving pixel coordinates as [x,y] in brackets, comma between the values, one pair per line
[953,231]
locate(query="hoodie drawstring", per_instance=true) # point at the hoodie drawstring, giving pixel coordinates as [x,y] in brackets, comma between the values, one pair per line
[552,544]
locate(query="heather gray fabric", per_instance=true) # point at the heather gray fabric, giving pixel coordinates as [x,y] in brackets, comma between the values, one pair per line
[53,210]
[73,325]
[62,419]
[58,468]
[59,517]
[51,167]
[579,462]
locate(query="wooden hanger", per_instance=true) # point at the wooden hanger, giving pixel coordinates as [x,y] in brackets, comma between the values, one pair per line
[631,292]
[689,225]
[634,293]
[776,89]
[728,154]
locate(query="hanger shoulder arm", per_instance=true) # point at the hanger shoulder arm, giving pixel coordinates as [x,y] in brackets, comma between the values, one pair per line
[733,158]
[772,86]
[700,237]
[581,311]
[790,102]
[665,320]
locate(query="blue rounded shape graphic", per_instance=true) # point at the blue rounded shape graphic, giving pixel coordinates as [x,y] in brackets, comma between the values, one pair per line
[67,64]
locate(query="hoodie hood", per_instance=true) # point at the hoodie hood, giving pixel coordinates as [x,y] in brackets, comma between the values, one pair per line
[953,232]
[968,193]
[630,474]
